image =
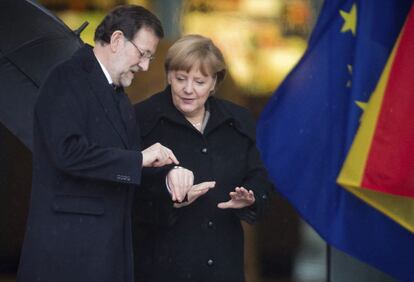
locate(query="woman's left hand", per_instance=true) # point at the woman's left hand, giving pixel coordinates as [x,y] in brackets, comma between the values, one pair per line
[240,198]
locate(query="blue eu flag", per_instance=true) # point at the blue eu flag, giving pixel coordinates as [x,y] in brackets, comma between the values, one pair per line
[307,128]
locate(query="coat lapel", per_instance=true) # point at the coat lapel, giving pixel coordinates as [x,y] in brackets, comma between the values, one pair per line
[103,91]
[166,109]
[217,116]
[129,120]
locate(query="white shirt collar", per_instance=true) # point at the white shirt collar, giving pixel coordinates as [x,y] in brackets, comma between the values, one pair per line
[105,71]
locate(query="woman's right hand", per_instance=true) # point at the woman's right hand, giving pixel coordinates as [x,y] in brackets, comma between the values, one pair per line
[195,192]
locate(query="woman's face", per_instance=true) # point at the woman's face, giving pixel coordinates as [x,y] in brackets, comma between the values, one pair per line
[190,91]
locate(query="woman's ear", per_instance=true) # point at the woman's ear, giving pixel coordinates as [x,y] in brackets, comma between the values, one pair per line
[169,74]
[213,85]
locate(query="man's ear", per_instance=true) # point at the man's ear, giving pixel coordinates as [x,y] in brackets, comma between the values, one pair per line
[116,40]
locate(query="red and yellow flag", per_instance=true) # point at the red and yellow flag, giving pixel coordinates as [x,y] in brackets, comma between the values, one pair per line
[379,168]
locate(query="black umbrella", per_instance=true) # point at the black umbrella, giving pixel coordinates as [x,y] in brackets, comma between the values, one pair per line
[32,40]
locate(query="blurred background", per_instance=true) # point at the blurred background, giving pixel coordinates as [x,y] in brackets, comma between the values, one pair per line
[262,40]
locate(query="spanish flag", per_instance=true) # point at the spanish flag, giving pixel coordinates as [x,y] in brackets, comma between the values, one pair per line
[379,168]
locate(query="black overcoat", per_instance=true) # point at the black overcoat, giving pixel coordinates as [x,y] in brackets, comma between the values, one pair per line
[86,165]
[199,242]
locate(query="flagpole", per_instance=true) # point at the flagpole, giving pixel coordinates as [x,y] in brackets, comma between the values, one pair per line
[328,263]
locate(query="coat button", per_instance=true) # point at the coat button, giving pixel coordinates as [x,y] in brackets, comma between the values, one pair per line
[204,150]
[210,224]
[210,262]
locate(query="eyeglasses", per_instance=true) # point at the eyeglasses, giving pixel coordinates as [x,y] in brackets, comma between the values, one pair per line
[143,54]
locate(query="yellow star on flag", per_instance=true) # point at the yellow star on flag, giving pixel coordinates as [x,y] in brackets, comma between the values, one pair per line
[362,105]
[350,19]
[349,82]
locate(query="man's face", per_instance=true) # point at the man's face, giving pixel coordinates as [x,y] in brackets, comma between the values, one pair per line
[133,56]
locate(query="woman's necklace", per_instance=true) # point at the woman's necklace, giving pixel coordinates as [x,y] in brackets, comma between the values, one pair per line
[197,124]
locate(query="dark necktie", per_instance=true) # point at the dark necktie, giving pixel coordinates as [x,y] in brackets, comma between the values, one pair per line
[120,99]
[118,93]
[124,108]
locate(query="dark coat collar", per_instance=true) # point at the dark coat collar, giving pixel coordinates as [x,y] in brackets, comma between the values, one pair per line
[160,106]
[101,88]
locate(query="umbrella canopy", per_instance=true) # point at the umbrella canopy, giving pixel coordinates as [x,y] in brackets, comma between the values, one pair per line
[32,41]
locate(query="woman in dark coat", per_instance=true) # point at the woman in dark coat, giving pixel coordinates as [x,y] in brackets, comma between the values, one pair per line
[200,239]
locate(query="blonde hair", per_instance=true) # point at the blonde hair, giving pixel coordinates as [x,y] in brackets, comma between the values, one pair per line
[196,51]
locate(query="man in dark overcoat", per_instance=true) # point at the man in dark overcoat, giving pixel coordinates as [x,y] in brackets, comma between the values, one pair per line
[86,157]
